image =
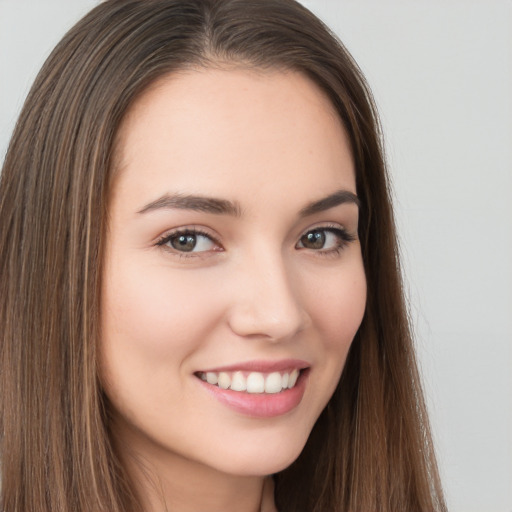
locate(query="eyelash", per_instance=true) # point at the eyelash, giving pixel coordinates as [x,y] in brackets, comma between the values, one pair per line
[167,238]
[344,238]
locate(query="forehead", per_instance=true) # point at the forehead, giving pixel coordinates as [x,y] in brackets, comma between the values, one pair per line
[234,129]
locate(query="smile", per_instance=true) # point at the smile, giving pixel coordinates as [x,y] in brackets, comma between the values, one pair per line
[252,382]
[258,389]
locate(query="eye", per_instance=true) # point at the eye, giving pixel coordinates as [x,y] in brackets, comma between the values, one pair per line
[188,241]
[325,239]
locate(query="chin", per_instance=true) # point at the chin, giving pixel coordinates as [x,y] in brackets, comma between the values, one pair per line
[263,458]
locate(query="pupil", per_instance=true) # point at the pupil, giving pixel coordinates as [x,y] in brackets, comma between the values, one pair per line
[314,240]
[184,242]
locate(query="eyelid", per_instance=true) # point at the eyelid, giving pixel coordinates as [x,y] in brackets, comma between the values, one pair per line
[339,230]
[187,230]
[327,226]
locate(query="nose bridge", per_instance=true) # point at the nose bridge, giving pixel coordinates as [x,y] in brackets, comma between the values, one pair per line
[267,302]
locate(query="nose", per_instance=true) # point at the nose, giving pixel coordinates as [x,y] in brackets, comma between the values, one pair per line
[266,301]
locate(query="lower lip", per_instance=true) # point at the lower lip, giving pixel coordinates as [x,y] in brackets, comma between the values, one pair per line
[260,405]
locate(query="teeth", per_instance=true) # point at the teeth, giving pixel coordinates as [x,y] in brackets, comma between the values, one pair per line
[293,378]
[224,380]
[211,378]
[238,382]
[273,383]
[253,382]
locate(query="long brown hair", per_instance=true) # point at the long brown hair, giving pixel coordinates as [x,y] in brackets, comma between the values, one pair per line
[371,448]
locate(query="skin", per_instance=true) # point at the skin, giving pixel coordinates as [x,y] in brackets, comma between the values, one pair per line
[272,143]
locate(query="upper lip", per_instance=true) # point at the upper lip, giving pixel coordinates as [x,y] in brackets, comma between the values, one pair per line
[262,366]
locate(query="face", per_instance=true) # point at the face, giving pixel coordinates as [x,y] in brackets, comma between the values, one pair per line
[233,281]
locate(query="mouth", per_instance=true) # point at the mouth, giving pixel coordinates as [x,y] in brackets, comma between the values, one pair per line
[257,390]
[253,382]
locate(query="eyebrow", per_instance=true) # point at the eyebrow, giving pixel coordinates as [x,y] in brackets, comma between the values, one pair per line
[338,198]
[232,208]
[196,203]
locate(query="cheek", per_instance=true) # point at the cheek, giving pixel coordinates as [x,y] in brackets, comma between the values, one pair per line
[155,309]
[336,304]
[152,322]
[337,307]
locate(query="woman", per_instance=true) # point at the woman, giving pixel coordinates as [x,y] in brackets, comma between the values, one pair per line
[200,282]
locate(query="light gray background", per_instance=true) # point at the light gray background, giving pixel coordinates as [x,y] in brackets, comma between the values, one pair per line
[441,72]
